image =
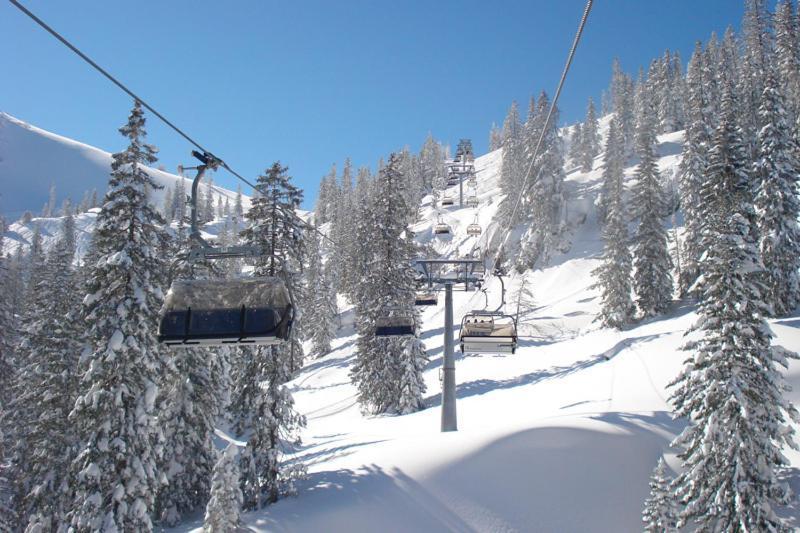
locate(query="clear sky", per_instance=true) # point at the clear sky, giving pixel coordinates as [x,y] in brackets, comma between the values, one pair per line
[312,82]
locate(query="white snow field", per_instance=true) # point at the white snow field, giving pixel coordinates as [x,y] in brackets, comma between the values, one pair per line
[561,436]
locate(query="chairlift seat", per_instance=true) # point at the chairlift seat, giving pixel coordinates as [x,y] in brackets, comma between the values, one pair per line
[474,229]
[472,202]
[425,298]
[394,326]
[488,334]
[447,202]
[441,229]
[226,312]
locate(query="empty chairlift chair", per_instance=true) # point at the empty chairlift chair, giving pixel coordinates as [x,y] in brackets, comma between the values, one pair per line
[394,324]
[441,228]
[216,312]
[447,201]
[472,201]
[474,229]
[425,298]
[486,332]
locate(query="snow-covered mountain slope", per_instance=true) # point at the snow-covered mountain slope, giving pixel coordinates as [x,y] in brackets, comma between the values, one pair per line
[561,436]
[31,159]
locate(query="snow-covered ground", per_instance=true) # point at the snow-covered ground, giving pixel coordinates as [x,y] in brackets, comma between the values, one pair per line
[561,436]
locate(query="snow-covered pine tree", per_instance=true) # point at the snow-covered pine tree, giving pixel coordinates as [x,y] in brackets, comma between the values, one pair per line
[51,340]
[179,201]
[495,138]
[321,312]
[613,167]
[431,161]
[692,168]
[513,167]
[358,237]
[575,154]
[590,138]
[167,210]
[731,391]
[622,98]
[777,171]
[114,475]
[757,54]
[8,516]
[388,370]
[652,280]
[326,200]
[614,274]
[787,55]
[659,509]
[343,228]
[543,195]
[224,506]
[262,401]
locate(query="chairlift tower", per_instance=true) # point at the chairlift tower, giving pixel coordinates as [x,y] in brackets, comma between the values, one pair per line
[467,273]
[462,166]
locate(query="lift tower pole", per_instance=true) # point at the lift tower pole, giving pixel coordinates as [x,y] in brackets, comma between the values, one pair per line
[449,419]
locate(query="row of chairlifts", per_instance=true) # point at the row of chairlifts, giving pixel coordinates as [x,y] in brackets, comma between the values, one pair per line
[216,312]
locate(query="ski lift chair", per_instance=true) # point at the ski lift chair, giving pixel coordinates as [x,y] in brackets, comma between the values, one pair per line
[218,312]
[488,332]
[394,323]
[472,202]
[441,228]
[474,229]
[447,201]
[425,298]
[472,182]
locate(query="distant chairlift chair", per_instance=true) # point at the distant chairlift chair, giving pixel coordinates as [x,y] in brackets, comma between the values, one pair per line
[488,332]
[474,229]
[441,228]
[472,201]
[394,323]
[425,298]
[447,201]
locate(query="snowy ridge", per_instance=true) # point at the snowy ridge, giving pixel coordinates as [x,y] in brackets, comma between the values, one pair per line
[29,155]
[561,436]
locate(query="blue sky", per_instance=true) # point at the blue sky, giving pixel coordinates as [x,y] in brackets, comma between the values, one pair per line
[310,83]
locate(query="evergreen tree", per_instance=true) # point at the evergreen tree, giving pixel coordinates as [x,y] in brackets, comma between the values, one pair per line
[614,274]
[659,508]
[590,138]
[787,55]
[513,169]
[622,98]
[431,161]
[613,169]
[575,154]
[777,170]
[225,504]
[731,390]
[114,476]
[652,280]
[169,205]
[495,138]
[262,401]
[692,169]
[51,346]
[388,370]
[322,310]
[756,56]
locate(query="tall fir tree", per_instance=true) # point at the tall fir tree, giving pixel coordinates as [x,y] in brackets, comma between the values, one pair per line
[659,509]
[114,476]
[388,370]
[263,402]
[614,274]
[590,138]
[731,391]
[322,310]
[51,341]
[652,280]
[777,171]
[691,170]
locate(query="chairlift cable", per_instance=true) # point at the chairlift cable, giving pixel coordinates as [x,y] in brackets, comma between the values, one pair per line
[161,117]
[553,104]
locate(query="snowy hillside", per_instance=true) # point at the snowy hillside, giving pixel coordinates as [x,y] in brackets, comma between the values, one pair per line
[561,436]
[29,155]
